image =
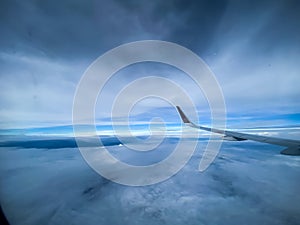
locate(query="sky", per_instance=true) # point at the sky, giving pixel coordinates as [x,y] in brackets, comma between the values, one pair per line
[252,47]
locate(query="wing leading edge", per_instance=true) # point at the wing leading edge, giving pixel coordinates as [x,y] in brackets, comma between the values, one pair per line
[292,146]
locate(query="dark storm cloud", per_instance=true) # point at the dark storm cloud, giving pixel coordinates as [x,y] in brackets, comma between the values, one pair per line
[251,46]
[79,28]
[67,29]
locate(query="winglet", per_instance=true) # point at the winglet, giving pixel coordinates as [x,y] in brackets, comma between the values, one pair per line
[182,115]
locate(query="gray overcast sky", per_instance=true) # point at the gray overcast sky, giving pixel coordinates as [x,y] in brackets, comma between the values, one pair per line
[253,47]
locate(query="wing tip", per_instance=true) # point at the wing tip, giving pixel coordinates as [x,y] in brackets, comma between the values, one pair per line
[294,150]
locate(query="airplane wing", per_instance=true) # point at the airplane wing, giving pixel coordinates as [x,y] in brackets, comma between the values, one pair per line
[292,146]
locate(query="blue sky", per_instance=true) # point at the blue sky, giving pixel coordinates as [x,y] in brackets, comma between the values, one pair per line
[251,46]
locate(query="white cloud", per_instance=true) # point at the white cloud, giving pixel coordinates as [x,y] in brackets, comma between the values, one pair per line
[248,183]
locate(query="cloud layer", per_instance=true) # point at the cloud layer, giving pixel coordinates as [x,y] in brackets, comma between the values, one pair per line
[249,183]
